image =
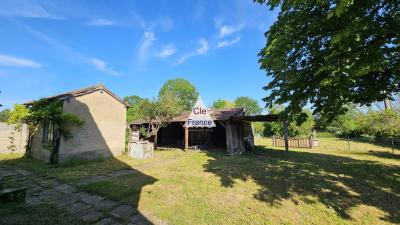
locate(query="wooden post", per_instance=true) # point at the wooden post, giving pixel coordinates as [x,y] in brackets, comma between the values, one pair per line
[348,142]
[273,140]
[286,134]
[186,138]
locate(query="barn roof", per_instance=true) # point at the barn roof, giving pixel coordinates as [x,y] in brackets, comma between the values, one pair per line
[216,115]
[83,91]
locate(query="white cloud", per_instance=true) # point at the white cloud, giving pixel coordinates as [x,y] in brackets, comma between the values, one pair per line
[100,22]
[226,30]
[6,60]
[20,8]
[102,66]
[203,49]
[225,43]
[167,51]
[148,41]
[203,46]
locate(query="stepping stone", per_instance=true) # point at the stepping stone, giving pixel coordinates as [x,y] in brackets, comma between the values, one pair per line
[63,199]
[77,207]
[123,211]
[107,221]
[94,179]
[105,204]
[121,173]
[47,194]
[139,219]
[24,172]
[90,215]
[92,199]
[65,188]
[33,201]
[50,183]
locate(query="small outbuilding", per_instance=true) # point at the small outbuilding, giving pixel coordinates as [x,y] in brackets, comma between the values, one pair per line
[101,136]
[232,132]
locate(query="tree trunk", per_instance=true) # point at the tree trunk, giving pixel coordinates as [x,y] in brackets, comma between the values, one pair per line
[155,140]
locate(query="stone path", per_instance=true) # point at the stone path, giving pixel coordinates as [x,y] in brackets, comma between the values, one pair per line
[88,207]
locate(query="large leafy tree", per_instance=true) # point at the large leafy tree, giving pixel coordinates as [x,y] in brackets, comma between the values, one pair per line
[223,104]
[330,53]
[158,113]
[135,103]
[348,124]
[184,91]
[250,105]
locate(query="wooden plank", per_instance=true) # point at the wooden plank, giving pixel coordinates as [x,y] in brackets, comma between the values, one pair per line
[186,138]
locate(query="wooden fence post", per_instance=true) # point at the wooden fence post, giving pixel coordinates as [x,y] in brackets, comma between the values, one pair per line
[286,134]
[273,140]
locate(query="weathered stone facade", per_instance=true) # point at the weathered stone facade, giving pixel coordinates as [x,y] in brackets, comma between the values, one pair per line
[101,136]
[19,137]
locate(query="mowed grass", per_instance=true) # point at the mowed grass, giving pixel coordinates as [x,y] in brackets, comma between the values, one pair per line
[326,185]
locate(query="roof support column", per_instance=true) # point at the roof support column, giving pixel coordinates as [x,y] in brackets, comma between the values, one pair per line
[186,138]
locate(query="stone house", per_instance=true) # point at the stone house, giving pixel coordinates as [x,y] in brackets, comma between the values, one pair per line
[101,136]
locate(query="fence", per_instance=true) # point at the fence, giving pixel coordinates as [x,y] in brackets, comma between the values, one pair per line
[309,142]
[7,134]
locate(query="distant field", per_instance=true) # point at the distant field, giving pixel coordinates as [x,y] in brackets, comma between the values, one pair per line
[326,185]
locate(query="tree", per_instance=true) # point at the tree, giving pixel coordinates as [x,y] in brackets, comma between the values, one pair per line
[250,105]
[158,113]
[4,115]
[381,124]
[45,112]
[304,128]
[184,91]
[348,124]
[133,112]
[223,104]
[330,53]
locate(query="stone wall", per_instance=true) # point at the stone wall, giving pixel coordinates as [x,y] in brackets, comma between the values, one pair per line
[20,138]
[103,133]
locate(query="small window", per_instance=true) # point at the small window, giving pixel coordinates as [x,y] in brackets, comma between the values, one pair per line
[48,131]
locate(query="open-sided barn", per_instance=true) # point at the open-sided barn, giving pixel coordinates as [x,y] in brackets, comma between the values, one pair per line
[233,132]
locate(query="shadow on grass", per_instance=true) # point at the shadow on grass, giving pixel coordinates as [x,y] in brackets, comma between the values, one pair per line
[74,171]
[380,141]
[386,155]
[338,182]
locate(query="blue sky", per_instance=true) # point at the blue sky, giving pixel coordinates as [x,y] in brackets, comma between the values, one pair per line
[133,47]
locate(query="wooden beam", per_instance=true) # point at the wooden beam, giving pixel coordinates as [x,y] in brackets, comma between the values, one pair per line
[286,134]
[186,138]
[222,124]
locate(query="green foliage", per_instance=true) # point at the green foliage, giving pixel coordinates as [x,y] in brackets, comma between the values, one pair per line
[133,112]
[348,124]
[223,104]
[45,111]
[258,128]
[381,124]
[158,113]
[250,105]
[330,53]
[4,115]
[304,128]
[184,91]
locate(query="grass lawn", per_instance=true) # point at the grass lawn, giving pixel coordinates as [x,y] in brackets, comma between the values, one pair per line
[326,185]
